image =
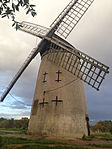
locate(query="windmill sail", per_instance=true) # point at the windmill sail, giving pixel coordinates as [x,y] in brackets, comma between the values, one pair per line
[79,64]
[63,24]
[70,16]
[87,68]
[33,29]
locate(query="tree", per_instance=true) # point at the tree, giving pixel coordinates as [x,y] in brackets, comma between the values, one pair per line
[8,8]
[11,123]
[1,119]
[102,126]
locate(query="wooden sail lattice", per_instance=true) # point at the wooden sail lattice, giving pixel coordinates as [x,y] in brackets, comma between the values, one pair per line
[70,16]
[33,29]
[79,64]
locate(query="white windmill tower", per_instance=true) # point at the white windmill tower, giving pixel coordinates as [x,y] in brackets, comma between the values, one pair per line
[59,104]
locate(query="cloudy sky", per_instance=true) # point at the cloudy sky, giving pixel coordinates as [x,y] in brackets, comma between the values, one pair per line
[92,35]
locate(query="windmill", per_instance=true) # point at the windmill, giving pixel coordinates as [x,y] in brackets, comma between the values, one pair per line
[59,105]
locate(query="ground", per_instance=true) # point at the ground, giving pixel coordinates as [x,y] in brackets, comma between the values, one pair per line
[19,139]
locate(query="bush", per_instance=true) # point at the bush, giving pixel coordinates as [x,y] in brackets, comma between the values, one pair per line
[102,126]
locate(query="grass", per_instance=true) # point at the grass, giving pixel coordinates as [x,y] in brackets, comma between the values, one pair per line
[100,136]
[21,143]
[43,147]
[103,136]
[101,145]
[12,131]
[12,140]
[48,147]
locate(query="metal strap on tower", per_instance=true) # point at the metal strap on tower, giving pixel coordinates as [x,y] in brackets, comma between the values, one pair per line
[70,16]
[78,63]
[33,29]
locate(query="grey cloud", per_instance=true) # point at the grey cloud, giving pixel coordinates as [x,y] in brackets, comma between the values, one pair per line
[99,103]
[16,105]
[17,115]
[102,114]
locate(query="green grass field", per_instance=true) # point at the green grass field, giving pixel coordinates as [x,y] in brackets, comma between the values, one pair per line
[91,142]
[20,143]
[104,136]
[101,136]
[12,131]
